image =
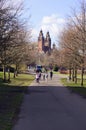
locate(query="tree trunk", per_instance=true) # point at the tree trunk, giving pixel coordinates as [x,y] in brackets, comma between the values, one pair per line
[82,74]
[16,71]
[70,73]
[75,75]
[4,73]
[8,74]
[14,74]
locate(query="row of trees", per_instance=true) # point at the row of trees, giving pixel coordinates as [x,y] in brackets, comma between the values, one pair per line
[73,43]
[14,48]
[72,46]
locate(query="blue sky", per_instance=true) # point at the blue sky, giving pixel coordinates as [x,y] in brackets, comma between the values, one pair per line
[48,15]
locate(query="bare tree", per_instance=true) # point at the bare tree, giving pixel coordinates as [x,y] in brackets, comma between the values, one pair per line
[12,36]
[79,22]
[73,40]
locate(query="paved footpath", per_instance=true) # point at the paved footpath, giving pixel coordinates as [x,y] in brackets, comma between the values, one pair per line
[50,106]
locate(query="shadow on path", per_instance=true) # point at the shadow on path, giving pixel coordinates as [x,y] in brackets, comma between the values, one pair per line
[51,107]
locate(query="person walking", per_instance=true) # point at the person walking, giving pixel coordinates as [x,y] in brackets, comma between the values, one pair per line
[51,74]
[43,76]
[46,76]
[37,77]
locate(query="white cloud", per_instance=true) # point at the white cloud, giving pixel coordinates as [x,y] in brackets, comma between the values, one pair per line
[52,19]
[53,24]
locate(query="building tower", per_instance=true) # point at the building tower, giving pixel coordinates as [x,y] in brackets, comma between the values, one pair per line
[40,41]
[47,43]
[44,44]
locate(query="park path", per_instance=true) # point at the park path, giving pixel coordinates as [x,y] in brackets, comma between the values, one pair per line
[51,106]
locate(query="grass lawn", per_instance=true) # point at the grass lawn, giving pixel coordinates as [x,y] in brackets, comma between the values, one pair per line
[11,96]
[75,88]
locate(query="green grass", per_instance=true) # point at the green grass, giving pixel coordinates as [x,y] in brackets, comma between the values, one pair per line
[55,72]
[20,80]
[11,96]
[75,88]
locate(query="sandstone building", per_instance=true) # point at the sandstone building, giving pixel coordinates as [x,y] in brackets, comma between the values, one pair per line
[44,43]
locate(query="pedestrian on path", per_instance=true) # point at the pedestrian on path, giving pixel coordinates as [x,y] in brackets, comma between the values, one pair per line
[43,76]
[51,74]
[37,77]
[46,76]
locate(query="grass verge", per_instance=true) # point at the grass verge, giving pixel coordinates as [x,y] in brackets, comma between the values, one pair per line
[75,88]
[11,96]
